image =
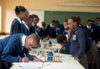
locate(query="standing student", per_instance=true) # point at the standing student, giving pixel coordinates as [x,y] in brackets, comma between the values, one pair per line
[59,27]
[44,30]
[26,25]
[77,41]
[88,28]
[21,14]
[34,23]
[51,30]
[14,48]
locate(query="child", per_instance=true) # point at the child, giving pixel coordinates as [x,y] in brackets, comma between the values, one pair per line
[61,39]
[21,14]
[15,48]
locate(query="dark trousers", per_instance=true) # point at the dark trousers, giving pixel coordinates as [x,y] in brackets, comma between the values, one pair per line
[2,65]
[93,57]
[83,61]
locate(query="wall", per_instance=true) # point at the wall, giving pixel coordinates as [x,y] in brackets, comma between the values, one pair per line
[0,13]
[9,5]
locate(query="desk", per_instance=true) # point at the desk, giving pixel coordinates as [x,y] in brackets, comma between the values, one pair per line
[68,61]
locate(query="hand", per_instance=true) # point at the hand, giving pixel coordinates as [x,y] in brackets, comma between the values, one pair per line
[37,59]
[56,51]
[25,59]
[76,59]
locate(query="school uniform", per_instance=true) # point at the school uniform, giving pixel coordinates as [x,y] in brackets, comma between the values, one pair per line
[51,31]
[13,46]
[77,43]
[44,32]
[16,26]
[33,28]
[25,29]
[96,32]
[89,31]
[61,28]
[66,49]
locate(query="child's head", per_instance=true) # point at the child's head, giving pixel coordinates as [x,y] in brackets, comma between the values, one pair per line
[61,39]
[21,12]
[65,25]
[43,24]
[32,40]
[35,18]
[29,21]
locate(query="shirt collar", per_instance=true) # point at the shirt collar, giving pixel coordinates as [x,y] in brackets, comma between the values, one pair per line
[23,40]
[89,27]
[25,25]
[18,19]
[51,25]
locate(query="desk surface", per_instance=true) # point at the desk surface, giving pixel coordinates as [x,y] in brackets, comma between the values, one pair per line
[68,61]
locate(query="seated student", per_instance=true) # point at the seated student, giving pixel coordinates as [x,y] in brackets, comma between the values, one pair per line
[44,30]
[14,48]
[26,25]
[34,24]
[51,30]
[61,39]
[59,27]
[21,14]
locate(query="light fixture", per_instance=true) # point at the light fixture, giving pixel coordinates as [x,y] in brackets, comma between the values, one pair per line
[80,4]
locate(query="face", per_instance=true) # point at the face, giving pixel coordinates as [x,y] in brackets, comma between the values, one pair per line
[35,20]
[89,23]
[65,25]
[53,24]
[71,24]
[43,24]
[30,22]
[29,43]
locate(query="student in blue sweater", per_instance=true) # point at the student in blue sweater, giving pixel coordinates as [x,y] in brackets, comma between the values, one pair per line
[51,30]
[61,39]
[77,41]
[59,27]
[15,48]
[34,23]
[26,25]
[21,14]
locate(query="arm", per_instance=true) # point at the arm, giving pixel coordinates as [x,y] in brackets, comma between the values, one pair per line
[82,43]
[16,28]
[9,49]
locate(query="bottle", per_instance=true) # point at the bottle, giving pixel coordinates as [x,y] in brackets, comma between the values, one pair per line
[50,43]
[50,56]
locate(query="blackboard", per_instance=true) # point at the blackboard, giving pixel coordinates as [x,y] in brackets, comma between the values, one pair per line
[61,16]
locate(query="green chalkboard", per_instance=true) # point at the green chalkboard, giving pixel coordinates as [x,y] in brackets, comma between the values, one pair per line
[61,16]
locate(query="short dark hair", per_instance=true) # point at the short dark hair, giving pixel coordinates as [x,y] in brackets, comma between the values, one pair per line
[97,18]
[19,9]
[53,21]
[35,16]
[36,37]
[57,22]
[89,20]
[61,38]
[76,19]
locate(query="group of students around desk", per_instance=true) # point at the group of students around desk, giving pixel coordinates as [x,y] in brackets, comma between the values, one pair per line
[25,34]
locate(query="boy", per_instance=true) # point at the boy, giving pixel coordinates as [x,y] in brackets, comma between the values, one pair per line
[15,49]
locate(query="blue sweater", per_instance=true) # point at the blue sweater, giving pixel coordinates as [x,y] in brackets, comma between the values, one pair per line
[11,47]
[77,42]
[66,49]
[61,28]
[51,31]
[15,27]
[25,30]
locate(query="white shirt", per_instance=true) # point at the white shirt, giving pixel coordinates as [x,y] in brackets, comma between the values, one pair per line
[25,25]
[18,19]
[23,40]
[51,25]
[89,27]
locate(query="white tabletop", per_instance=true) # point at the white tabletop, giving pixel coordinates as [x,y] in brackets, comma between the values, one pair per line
[68,61]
